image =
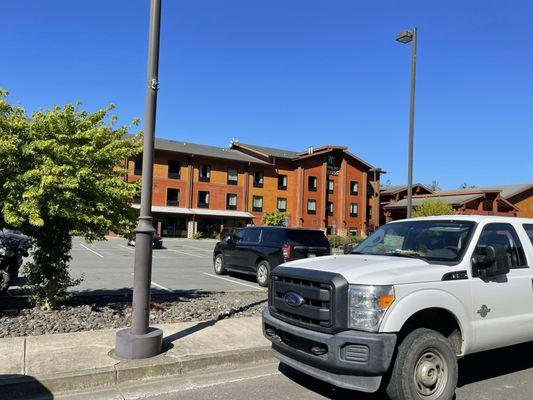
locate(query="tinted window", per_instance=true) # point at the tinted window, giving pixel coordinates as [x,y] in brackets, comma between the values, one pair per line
[308,238]
[529,231]
[505,236]
[252,235]
[274,236]
[239,235]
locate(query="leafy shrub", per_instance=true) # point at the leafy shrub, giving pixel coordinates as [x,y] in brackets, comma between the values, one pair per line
[197,235]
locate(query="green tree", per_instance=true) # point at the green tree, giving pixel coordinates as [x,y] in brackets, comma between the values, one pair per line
[62,174]
[274,218]
[430,207]
[465,185]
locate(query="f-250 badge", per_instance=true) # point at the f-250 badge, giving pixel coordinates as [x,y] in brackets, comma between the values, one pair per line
[483,311]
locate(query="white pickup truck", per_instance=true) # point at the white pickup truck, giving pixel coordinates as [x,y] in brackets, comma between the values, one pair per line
[399,310]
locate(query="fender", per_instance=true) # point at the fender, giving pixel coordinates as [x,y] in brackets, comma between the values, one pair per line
[423,299]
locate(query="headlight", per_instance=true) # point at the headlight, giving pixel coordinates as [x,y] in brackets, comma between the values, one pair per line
[366,306]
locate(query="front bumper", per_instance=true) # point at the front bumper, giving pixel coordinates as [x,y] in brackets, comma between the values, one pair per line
[350,359]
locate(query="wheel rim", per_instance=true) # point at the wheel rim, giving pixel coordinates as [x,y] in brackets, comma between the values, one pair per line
[218,264]
[430,375]
[262,273]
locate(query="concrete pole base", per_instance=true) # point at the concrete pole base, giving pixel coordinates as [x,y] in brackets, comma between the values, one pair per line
[133,347]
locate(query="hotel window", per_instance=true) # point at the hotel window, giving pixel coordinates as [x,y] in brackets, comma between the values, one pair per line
[204,173]
[353,209]
[231,201]
[352,231]
[282,182]
[329,208]
[258,179]
[233,176]
[282,204]
[312,183]
[331,185]
[257,203]
[203,199]
[354,187]
[137,199]
[173,197]
[311,206]
[138,165]
[174,169]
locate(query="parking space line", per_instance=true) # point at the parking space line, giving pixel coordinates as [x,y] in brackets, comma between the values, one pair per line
[184,252]
[197,248]
[125,247]
[157,285]
[91,250]
[130,249]
[232,281]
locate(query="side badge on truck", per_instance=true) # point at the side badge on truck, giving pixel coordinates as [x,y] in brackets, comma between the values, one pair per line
[483,311]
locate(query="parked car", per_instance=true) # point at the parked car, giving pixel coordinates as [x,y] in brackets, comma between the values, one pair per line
[14,246]
[258,249]
[407,302]
[156,239]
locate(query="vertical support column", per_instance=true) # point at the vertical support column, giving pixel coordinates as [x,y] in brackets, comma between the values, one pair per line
[324,195]
[343,176]
[246,191]
[364,196]
[300,196]
[190,184]
[141,341]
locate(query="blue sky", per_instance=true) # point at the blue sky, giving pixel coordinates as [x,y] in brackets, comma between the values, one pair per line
[293,73]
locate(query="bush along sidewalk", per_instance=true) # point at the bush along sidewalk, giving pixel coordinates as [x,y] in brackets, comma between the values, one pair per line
[337,242]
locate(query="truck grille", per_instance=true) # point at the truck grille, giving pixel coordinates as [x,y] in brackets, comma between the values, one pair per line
[315,312]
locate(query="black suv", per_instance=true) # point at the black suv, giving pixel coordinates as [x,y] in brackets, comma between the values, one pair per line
[258,249]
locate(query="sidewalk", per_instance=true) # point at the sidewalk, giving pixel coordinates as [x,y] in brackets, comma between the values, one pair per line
[76,361]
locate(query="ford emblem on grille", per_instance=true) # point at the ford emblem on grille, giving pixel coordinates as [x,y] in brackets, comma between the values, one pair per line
[293,299]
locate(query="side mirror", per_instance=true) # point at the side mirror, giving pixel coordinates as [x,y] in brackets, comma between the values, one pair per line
[348,248]
[494,263]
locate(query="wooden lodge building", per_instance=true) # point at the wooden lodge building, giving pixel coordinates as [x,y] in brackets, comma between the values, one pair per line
[507,200]
[200,188]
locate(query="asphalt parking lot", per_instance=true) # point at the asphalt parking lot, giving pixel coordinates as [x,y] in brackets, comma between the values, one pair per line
[183,264]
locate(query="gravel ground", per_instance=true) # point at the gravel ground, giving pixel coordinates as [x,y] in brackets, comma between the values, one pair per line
[85,314]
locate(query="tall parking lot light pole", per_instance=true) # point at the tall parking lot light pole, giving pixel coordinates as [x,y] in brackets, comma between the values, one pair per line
[142,341]
[407,37]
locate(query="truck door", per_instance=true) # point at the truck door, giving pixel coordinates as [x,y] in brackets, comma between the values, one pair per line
[502,306]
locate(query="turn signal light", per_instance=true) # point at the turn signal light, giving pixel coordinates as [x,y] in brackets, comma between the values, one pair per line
[386,300]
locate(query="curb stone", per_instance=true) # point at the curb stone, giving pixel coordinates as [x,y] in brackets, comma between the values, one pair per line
[20,386]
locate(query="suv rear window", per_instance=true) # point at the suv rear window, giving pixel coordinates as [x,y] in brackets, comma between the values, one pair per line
[274,236]
[529,231]
[308,238]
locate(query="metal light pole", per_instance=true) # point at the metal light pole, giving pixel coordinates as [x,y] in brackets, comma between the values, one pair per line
[142,341]
[406,37]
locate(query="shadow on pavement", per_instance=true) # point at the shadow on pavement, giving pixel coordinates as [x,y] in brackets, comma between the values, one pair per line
[14,387]
[167,341]
[474,368]
[495,363]
[106,297]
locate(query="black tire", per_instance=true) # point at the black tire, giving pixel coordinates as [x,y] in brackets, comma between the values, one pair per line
[220,268]
[263,273]
[433,356]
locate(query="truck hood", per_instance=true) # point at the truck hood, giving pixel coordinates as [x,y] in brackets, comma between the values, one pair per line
[375,270]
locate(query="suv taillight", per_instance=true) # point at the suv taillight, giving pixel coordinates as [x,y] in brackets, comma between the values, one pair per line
[286,251]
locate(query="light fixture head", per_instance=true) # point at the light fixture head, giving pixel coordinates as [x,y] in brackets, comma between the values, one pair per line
[404,36]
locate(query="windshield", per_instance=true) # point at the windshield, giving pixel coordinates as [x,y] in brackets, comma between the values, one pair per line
[430,240]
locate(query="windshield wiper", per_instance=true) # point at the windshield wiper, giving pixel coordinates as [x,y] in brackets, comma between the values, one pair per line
[408,254]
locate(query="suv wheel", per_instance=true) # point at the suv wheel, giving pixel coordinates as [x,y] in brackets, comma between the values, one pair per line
[219,265]
[263,273]
[425,368]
